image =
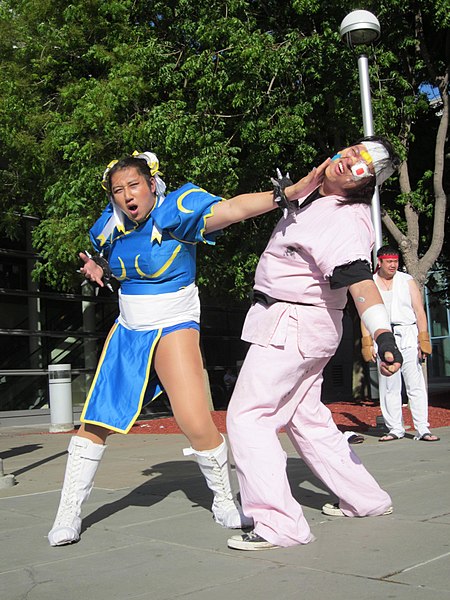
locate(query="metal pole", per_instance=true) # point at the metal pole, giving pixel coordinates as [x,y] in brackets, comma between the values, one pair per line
[6,481]
[60,394]
[366,106]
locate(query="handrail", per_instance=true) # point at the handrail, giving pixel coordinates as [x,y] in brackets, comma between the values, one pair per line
[57,334]
[19,253]
[59,296]
[22,372]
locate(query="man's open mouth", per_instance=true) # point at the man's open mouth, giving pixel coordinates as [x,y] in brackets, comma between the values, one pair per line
[132,208]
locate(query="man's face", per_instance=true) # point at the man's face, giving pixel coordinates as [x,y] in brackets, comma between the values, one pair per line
[340,179]
[133,194]
[388,267]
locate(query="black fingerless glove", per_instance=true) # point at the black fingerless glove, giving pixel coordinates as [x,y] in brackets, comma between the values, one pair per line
[386,343]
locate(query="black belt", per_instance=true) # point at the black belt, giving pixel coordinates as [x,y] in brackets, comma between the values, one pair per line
[262,298]
[402,324]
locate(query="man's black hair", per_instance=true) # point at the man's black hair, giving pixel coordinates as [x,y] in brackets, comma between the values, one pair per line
[393,157]
[364,195]
[130,162]
[387,249]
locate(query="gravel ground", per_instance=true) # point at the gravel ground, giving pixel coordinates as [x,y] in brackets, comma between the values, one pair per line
[356,416]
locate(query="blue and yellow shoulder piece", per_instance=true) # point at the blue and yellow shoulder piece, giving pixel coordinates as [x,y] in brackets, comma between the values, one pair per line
[184,213]
[95,231]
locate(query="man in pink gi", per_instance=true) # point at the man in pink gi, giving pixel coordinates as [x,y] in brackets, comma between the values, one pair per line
[318,251]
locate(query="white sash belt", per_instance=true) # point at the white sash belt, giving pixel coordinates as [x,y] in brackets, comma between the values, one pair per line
[141,312]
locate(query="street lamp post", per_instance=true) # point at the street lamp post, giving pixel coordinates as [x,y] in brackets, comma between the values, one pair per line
[362,27]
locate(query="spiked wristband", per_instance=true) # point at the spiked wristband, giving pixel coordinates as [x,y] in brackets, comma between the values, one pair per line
[101,261]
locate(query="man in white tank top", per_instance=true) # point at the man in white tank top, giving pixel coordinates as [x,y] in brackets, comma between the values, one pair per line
[403,301]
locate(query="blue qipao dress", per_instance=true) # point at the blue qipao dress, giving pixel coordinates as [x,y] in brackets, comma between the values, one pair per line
[155,262]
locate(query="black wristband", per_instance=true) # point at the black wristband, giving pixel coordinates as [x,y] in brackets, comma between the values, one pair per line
[103,263]
[279,185]
[386,343]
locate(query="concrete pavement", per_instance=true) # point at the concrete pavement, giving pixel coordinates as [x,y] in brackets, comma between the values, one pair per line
[148,532]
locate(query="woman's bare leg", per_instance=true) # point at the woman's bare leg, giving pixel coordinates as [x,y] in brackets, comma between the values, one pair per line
[95,433]
[179,366]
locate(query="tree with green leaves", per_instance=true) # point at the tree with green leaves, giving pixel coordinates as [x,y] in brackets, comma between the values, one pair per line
[223,93]
[414,102]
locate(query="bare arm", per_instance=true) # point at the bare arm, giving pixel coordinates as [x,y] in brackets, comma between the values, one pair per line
[424,345]
[244,206]
[365,294]
[417,304]
[238,209]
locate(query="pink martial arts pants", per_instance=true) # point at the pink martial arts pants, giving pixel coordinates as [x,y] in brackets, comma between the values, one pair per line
[278,387]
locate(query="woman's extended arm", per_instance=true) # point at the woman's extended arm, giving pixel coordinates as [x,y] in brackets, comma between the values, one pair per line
[244,206]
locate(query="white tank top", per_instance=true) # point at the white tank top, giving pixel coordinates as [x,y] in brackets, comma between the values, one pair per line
[387,299]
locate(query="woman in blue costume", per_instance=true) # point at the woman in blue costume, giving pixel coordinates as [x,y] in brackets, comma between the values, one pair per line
[147,241]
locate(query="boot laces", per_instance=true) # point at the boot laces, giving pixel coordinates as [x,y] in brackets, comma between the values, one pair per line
[70,503]
[222,494]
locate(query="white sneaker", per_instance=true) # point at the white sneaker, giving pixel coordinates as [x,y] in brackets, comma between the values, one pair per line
[333,510]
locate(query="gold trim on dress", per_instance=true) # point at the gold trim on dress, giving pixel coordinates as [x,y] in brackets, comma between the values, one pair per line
[165,266]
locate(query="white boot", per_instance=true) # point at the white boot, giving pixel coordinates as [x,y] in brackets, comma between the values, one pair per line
[214,466]
[84,458]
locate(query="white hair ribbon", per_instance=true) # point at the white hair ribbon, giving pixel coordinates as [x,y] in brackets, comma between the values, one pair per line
[117,218]
[382,163]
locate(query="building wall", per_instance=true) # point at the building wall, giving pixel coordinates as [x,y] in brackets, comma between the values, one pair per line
[38,328]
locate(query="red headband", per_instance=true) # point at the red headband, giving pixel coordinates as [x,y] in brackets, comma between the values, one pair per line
[377,268]
[388,256]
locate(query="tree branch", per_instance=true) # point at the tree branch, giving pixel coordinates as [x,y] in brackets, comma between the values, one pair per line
[393,229]
[440,204]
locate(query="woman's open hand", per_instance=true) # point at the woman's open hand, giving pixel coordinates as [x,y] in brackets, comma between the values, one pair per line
[308,183]
[91,270]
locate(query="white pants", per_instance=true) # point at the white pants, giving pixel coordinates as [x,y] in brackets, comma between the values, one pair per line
[277,387]
[391,395]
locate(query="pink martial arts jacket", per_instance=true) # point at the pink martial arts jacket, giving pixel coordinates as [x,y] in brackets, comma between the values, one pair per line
[302,253]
